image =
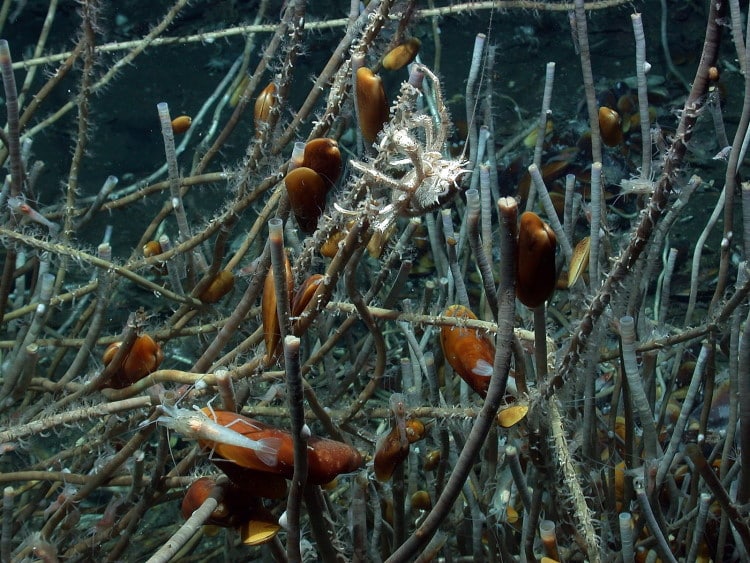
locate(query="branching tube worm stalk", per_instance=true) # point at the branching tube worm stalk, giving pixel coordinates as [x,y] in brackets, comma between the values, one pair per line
[687,408]
[484,136]
[743,494]
[175,266]
[666,287]
[7,526]
[418,540]
[541,131]
[700,243]
[101,196]
[568,212]
[596,220]
[13,142]
[549,210]
[471,104]
[733,413]
[13,372]
[165,121]
[188,529]
[511,457]
[300,433]
[104,280]
[700,526]
[462,297]
[479,249]
[662,546]
[588,79]
[486,191]
[745,187]
[626,537]
[641,69]
[11,107]
[637,393]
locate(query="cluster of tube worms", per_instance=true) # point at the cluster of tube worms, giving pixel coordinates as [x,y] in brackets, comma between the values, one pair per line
[383,327]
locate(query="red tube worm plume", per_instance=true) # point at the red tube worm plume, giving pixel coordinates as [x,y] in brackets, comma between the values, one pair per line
[326,458]
[393,448]
[323,156]
[372,105]
[469,352]
[535,271]
[144,358]
[271,327]
[307,192]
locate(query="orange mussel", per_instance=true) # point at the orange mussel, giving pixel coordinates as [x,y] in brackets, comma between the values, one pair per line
[271,328]
[304,293]
[402,54]
[469,352]
[263,104]
[323,156]
[535,271]
[218,288]
[372,105]
[393,448]
[391,452]
[181,124]
[307,192]
[143,358]
[610,126]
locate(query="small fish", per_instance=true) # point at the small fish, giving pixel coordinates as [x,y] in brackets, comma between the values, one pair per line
[195,425]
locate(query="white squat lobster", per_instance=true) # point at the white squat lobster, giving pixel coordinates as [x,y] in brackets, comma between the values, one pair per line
[412,145]
[195,425]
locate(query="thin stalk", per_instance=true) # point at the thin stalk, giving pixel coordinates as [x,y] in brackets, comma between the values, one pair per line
[191,526]
[641,68]
[300,433]
[743,387]
[700,525]
[682,419]
[506,314]
[662,546]
[485,269]
[637,392]
[471,105]
[588,79]
[626,537]
[596,216]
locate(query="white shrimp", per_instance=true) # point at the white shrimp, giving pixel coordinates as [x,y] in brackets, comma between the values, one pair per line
[19,205]
[195,425]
